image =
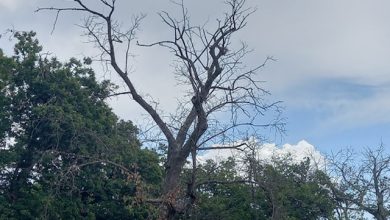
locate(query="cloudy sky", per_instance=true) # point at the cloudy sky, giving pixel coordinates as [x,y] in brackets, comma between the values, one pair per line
[267,153]
[332,70]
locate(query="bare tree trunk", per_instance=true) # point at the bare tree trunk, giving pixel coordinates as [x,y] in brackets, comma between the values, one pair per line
[211,68]
[379,216]
[276,213]
[171,188]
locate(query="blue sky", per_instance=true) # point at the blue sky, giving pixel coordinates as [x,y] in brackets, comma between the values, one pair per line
[332,70]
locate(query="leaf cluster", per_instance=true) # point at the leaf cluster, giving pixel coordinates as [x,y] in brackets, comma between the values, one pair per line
[64,154]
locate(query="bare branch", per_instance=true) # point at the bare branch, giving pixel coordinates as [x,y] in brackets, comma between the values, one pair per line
[206,62]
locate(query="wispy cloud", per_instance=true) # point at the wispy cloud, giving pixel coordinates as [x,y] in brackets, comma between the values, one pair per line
[361,112]
[337,104]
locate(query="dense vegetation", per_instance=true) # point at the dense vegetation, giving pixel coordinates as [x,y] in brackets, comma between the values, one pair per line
[72,157]
[65,155]
[276,190]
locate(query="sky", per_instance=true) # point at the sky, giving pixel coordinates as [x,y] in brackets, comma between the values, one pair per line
[269,153]
[332,70]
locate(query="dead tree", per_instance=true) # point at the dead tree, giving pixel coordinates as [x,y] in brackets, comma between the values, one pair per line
[363,186]
[207,62]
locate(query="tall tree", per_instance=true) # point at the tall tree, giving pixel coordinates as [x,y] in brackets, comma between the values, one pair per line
[207,63]
[71,157]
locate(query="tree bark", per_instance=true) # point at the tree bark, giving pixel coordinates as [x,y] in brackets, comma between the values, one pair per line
[171,187]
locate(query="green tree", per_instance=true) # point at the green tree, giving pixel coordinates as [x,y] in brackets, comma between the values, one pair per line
[280,189]
[224,194]
[72,158]
[295,191]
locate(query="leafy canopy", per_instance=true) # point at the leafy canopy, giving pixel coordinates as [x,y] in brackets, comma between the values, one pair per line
[71,158]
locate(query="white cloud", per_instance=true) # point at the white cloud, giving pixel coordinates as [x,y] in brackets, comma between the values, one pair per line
[267,151]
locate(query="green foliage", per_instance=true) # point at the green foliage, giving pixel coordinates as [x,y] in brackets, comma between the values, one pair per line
[296,191]
[222,194]
[73,158]
[277,190]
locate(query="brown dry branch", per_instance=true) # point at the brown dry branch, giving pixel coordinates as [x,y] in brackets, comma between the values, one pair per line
[218,83]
